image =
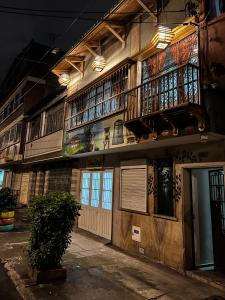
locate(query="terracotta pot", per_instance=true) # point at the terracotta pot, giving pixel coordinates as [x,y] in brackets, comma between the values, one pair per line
[7,214]
[46,276]
[7,221]
[4,228]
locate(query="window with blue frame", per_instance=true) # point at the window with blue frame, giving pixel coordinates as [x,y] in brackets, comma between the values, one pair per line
[96,189]
[1,178]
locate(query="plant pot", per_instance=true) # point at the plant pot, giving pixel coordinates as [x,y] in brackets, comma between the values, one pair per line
[7,221]
[46,276]
[7,214]
[5,228]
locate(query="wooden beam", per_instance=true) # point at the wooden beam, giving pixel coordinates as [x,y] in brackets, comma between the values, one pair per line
[58,72]
[88,47]
[75,67]
[116,34]
[146,8]
[75,58]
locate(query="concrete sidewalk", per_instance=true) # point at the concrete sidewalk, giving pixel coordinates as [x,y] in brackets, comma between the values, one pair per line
[98,271]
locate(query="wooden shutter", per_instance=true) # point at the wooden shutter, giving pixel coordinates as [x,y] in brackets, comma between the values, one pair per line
[134,188]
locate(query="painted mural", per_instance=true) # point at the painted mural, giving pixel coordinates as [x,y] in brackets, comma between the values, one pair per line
[103,135]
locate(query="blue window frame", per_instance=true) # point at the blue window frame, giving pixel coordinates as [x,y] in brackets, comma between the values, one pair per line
[97,188]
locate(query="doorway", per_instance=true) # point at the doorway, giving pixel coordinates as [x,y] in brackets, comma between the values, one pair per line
[208,205]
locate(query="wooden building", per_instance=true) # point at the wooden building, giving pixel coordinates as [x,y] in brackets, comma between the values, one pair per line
[143,138]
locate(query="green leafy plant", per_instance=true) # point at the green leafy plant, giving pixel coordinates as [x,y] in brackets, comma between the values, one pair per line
[52,219]
[7,200]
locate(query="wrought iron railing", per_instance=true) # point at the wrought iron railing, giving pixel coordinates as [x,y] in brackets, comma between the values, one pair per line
[177,87]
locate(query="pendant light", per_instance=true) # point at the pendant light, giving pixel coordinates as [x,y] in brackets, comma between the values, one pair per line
[64,79]
[163,37]
[98,63]
[164,34]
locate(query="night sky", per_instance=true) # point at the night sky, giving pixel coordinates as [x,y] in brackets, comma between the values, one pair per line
[18,29]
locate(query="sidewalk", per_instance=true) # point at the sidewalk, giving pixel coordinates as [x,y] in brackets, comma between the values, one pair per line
[98,271]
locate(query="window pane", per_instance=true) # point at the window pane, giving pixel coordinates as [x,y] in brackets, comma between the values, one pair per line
[85,188]
[95,193]
[107,190]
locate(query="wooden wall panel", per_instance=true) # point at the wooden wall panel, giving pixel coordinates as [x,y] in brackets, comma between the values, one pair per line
[161,239]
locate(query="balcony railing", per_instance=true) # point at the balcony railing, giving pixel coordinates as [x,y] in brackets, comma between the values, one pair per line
[173,89]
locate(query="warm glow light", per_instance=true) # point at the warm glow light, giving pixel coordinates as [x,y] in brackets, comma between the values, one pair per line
[163,37]
[99,63]
[64,79]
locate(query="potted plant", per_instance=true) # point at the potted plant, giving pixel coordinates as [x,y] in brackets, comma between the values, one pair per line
[8,203]
[52,218]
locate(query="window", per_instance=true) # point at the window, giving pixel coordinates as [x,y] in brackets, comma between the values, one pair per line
[164,179]
[215,8]
[35,128]
[54,119]
[12,105]
[104,98]
[96,189]
[11,136]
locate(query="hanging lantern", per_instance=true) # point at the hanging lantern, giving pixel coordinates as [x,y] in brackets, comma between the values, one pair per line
[99,63]
[163,37]
[64,79]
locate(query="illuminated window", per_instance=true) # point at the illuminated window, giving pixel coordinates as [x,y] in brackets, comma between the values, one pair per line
[96,189]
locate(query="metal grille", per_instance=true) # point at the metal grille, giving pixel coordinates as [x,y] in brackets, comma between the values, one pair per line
[177,87]
[105,98]
[216,184]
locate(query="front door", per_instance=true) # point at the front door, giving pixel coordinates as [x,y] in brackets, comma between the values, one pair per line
[217,201]
[96,202]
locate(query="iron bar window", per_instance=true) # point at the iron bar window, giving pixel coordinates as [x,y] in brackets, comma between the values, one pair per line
[105,98]
[54,119]
[35,129]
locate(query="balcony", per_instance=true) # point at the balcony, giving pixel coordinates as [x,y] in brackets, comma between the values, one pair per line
[169,102]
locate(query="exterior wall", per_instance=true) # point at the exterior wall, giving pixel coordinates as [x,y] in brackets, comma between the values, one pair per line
[163,238]
[46,144]
[212,43]
[59,180]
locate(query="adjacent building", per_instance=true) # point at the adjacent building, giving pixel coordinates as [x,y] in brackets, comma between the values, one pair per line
[27,85]
[141,145]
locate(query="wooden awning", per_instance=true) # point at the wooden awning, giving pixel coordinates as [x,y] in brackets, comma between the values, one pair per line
[112,24]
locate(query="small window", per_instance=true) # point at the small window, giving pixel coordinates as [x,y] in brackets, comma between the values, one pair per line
[35,128]
[216,8]
[54,119]
[164,179]
[96,189]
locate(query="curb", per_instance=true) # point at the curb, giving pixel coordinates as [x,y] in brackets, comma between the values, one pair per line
[25,293]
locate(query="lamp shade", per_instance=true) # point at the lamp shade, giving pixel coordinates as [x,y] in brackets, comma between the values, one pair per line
[64,79]
[99,63]
[163,37]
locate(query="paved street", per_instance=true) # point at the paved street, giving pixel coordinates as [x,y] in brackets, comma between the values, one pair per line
[97,271]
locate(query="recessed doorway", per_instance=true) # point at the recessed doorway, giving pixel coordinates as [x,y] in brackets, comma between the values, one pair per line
[208,206]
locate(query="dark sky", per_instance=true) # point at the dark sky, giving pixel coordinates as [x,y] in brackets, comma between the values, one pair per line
[17,30]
